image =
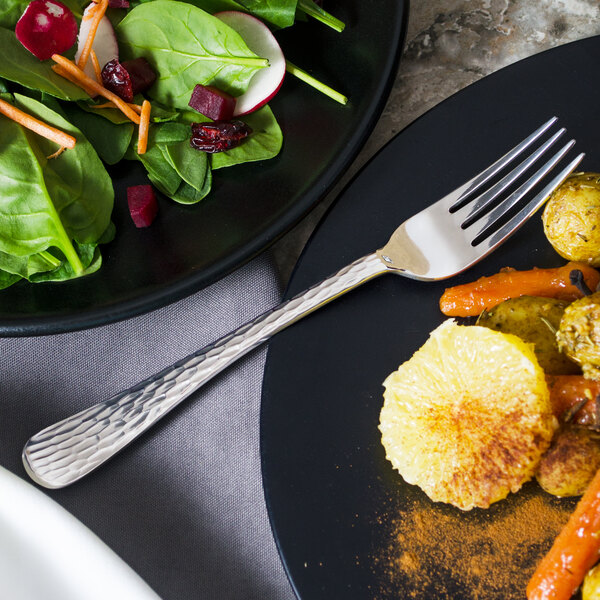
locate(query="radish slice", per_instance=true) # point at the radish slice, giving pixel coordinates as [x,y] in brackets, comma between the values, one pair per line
[46,27]
[105,42]
[266,82]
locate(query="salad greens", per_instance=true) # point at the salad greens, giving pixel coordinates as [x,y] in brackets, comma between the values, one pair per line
[187,46]
[55,210]
[22,67]
[53,213]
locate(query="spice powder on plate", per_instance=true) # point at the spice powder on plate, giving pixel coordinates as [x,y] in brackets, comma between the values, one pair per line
[436,551]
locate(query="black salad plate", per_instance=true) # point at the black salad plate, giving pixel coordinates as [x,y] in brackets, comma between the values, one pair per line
[250,206]
[346,524]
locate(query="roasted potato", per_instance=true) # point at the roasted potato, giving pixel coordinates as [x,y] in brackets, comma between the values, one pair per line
[591,584]
[571,218]
[578,335]
[571,462]
[534,320]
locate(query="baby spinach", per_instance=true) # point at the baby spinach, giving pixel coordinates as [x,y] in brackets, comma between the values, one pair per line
[20,66]
[173,166]
[109,139]
[280,13]
[62,203]
[193,167]
[186,46]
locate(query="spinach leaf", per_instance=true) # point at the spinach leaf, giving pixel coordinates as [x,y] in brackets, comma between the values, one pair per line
[19,65]
[193,167]
[263,143]
[7,279]
[61,202]
[109,140]
[210,6]
[186,194]
[160,171]
[186,46]
[26,266]
[280,13]
[159,114]
[169,133]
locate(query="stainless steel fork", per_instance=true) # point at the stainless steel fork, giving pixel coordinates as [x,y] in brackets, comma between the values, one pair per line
[440,241]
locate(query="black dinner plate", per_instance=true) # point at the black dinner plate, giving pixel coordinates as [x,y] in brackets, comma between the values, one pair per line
[346,524]
[250,206]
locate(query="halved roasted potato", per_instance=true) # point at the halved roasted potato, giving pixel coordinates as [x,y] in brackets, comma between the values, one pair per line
[535,320]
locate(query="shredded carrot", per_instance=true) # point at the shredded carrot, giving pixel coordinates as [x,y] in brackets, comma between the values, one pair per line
[144,127]
[91,11]
[87,82]
[96,64]
[99,11]
[136,107]
[470,299]
[64,73]
[57,153]
[574,552]
[39,127]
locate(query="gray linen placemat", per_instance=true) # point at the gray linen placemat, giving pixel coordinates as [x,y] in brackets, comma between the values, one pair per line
[184,505]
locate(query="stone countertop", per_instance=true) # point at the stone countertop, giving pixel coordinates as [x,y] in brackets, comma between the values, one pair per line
[449,45]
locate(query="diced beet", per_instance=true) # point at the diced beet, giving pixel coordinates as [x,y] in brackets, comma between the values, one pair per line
[116,79]
[141,73]
[212,103]
[142,203]
[46,27]
[118,3]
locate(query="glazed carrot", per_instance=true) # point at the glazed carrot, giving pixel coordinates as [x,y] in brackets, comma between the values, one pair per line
[87,82]
[144,127]
[39,127]
[99,11]
[573,394]
[575,550]
[470,299]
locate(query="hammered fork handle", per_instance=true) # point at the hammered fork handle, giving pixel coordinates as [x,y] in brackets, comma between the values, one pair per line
[67,451]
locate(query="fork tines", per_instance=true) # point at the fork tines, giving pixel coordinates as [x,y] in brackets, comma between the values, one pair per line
[491,210]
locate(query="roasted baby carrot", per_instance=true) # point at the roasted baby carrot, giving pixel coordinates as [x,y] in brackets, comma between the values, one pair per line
[575,399]
[470,299]
[575,550]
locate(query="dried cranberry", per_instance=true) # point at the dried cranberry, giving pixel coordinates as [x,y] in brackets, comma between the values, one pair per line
[128,78]
[218,135]
[116,79]
[141,73]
